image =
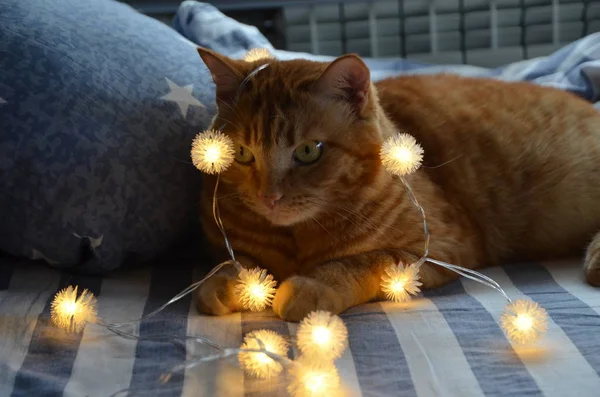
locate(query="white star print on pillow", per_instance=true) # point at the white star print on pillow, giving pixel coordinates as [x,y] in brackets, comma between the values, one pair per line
[182,96]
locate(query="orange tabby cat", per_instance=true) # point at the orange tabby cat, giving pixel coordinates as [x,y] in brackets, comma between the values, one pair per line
[510,172]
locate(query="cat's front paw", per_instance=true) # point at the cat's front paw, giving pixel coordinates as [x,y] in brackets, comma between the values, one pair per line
[298,296]
[217,294]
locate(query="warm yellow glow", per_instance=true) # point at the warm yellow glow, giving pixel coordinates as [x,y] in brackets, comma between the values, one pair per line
[70,312]
[260,365]
[311,378]
[524,321]
[256,54]
[399,282]
[322,335]
[255,289]
[258,291]
[212,152]
[69,308]
[398,286]
[401,154]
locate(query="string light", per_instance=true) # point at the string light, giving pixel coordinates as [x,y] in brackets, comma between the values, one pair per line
[399,282]
[322,335]
[255,289]
[524,321]
[260,365]
[310,378]
[212,152]
[401,154]
[70,312]
[256,54]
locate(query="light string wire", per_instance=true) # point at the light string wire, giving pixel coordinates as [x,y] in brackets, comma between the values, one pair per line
[218,221]
[178,339]
[225,352]
[426,233]
[463,271]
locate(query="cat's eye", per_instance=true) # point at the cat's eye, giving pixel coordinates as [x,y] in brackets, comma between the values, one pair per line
[308,152]
[243,155]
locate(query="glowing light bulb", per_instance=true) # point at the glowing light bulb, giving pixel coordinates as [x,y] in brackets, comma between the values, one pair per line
[255,289]
[524,321]
[212,152]
[310,378]
[401,154]
[260,365]
[69,308]
[256,54]
[322,335]
[399,282]
[70,312]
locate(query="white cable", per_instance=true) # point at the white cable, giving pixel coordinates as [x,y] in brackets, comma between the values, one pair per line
[463,271]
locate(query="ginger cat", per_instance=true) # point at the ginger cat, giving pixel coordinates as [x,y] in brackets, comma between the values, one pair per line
[510,173]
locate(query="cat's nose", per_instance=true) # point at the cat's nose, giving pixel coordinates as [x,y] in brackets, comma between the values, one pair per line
[270,199]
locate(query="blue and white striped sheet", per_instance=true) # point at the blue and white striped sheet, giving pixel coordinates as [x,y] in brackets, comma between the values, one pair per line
[447,343]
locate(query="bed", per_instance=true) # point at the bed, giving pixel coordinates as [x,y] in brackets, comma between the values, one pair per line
[448,342]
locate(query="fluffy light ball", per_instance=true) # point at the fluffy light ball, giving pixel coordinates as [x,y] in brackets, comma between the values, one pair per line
[322,335]
[70,312]
[255,289]
[312,378]
[256,54]
[399,282]
[401,154]
[524,321]
[260,365]
[212,152]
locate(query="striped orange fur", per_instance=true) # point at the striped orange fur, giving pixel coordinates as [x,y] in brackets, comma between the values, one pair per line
[510,173]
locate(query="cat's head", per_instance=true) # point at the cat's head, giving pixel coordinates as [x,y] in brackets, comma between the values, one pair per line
[307,134]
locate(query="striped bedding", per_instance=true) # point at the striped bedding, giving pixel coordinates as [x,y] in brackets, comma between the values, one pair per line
[447,343]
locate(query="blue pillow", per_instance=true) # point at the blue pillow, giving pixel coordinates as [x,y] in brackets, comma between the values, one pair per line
[98,106]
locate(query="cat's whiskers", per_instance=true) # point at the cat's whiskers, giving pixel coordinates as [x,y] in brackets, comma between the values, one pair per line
[230,122]
[322,208]
[444,163]
[365,218]
[227,105]
[226,196]
[367,226]
[350,211]
[369,231]
[320,224]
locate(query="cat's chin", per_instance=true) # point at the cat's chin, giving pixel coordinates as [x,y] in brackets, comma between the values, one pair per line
[282,215]
[283,219]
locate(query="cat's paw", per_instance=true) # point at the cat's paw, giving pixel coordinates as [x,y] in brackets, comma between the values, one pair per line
[217,294]
[298,296]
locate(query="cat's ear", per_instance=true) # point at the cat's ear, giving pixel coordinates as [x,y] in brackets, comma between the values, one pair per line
[347,79]
[223,72]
